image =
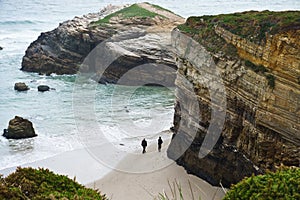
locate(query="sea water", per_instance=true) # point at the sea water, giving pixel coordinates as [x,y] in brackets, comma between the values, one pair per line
[52,113]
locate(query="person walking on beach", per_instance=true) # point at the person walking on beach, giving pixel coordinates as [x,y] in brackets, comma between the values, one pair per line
[159,143]
[144,145]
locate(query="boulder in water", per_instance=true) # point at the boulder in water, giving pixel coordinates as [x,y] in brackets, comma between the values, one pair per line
[19,128]
[1,48]
[21,87]
[43,88]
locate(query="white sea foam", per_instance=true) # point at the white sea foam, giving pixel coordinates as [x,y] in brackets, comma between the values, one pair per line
[52,112]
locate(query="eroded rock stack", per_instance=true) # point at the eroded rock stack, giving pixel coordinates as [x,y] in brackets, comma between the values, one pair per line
[19,128]
[135,39]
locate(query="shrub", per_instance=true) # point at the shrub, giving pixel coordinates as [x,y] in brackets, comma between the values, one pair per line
[40,184]
[282,184]
[271,80]
[263,70]
[256,68]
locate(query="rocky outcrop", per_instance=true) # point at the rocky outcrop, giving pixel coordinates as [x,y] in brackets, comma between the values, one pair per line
[260,127]
[129,40]
[19,128]
[1,48]
[21,87]
[43,88]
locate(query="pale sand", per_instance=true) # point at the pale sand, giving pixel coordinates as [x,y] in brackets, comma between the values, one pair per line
[77,163]
[134,176]
[143,176]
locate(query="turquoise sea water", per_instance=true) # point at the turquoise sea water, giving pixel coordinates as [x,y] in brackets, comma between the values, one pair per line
[52,112]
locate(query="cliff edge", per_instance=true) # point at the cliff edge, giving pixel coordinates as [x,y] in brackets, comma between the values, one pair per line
[256,57]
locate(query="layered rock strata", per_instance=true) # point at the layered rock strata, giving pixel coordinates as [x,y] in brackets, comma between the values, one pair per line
[136,40]
[261,128]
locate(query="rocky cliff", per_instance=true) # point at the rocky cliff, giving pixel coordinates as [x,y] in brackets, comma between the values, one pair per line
[138,34]
[238,73]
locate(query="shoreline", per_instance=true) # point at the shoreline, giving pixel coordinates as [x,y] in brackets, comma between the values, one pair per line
[83,164]
[134,176]
[78,164]
[145,176]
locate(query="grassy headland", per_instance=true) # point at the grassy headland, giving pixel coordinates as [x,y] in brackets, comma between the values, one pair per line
[252,25]
[132,11]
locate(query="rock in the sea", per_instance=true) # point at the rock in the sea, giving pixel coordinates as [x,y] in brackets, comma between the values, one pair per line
[21,87]
[43,88]
[137,40]
[1,48]
[19,128]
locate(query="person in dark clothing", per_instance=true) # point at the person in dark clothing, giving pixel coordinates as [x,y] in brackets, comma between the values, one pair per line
[159,143]
[144,145]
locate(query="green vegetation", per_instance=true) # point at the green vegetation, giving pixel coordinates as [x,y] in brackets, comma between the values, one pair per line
[282,184]
[261,69]
[176,192]
[159,7]
[202,30]
[271,80]
[40,184]
[132,11]
[252,25]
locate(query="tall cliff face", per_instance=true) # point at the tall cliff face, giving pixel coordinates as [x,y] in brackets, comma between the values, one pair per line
[138,34]
[261,87]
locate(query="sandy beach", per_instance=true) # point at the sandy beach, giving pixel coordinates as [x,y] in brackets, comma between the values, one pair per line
[128,176]
[145,176]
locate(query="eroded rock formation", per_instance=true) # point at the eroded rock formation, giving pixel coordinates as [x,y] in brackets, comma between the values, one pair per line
[262,112]
[19,128]
[43,88]
[21,87]
[137,40]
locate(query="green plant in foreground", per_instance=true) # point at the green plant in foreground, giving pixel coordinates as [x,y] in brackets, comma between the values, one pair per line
[282,184]
[40,184]
[176,192]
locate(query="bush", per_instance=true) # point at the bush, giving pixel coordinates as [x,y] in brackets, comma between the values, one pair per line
[261,69]
[255,68]
[271,80]
[282,184]
[40,184]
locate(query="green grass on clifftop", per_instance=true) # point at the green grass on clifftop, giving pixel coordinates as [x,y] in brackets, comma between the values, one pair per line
[41,184]
[252,25]
[159,7]
[132,11]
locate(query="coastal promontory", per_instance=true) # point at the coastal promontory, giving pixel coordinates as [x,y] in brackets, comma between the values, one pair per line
[241,72]
[138,33]
[237,110]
